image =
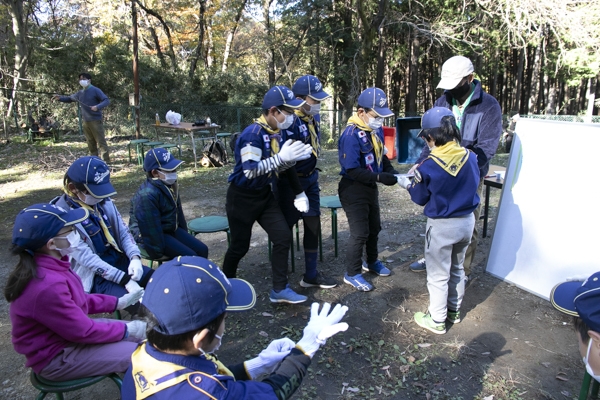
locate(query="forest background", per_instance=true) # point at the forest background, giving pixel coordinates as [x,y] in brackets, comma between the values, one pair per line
[535,57]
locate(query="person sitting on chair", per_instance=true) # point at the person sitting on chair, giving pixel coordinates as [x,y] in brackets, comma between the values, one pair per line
[156,218]
[49,308]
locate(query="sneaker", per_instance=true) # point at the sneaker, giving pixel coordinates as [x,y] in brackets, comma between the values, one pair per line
[425,321]
[418,266]
[321,280]
[358,282]
[287,295]
[377,268]
[453,317]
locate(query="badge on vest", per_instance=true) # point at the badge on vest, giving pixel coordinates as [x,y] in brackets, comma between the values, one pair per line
[369,159]
[363,136]
[304,130]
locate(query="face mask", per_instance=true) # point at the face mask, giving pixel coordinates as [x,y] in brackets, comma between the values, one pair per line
[217,347]
[314,109]
[169,177]
[289,120]
[461,91]
[588,368]
[73,238]
[84,83]
[375,123]
[91,200]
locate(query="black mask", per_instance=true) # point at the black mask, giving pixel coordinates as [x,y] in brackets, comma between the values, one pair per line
[460,91]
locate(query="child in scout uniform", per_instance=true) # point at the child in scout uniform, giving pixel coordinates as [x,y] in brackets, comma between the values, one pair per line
[446,184]
[364,163]
[185,306]
[260,156]
[49,308]
[306,129]
[156,218]
[581,299]
[107,260]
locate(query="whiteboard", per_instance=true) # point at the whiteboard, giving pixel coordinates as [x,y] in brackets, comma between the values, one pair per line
[549,214]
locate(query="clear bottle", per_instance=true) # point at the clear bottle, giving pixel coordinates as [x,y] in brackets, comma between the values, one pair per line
[208,121]
[157,118]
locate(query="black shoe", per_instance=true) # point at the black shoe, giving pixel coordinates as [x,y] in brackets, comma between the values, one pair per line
[320,280]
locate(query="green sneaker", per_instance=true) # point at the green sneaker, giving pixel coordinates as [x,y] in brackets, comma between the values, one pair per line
[425,321]
[453,317]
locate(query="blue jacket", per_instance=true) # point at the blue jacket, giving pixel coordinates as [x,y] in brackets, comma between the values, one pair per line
[444,195]
[155,210]
[481,126]
[89,97]
[300,131]
[170,376]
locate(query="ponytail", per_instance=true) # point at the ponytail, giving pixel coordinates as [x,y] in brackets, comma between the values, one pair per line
[24,272]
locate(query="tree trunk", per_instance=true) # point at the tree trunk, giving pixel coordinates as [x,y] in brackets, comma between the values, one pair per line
[19,24]
[535,80]
[591,97]
[519,82]
[159,53]
[413,75]
[231,34]
[200,47]
[171,52]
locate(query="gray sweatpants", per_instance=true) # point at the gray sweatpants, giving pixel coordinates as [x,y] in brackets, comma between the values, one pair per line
[446,241]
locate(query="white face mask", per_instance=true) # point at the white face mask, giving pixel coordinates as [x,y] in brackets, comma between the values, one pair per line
[91,200]
[73,238]
[169,177]
[588,367]
[314,109]
[84,83]
[375,123]
[289,120]
[217,347]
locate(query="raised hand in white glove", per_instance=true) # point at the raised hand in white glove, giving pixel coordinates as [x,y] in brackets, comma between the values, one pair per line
[268,359]
[135,269]
[136,329]
[321,326]
[294,151]
[132,286]
[130,298]
[404,182]
[301,202]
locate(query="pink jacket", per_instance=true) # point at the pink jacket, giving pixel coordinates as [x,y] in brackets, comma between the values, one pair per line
[52,312]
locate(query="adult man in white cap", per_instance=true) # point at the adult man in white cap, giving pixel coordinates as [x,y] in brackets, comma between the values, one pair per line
[479,119]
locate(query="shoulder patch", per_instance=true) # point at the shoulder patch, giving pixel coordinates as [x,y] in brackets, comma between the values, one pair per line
[250,153]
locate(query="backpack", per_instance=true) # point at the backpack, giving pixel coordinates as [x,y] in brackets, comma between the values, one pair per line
[233,140]
[215,154]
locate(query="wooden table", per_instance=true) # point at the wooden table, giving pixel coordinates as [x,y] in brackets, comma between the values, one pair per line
[187,127]
[490,181]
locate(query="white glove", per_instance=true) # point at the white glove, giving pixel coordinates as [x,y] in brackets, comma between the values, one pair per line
[136,329]
[321,327]
[135,269]
[301,202]
[132,286]
[404,182]
[578,278]
[129,299]
[268,359]
[294,151]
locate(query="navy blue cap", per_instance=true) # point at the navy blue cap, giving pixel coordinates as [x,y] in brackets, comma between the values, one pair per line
[94,174]
[375,99]
[433,118]
[162,159]
[37,224]
[188,292]
[311,86]
[579,299]
[280,96]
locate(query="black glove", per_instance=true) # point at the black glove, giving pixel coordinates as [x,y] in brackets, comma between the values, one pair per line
[387,179]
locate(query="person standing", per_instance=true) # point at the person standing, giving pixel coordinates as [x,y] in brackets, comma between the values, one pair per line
[306,129]
[363,160]
[479,118]
[92,101]
[260,156]
[446,184]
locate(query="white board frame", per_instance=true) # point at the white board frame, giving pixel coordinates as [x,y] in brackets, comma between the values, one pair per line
[548,218]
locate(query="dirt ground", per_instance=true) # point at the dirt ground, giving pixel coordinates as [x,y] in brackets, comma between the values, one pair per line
[510,344]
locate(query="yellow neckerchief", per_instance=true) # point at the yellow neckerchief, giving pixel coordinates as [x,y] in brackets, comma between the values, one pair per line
[375,140]
[111,240]
[314,140]
[262,121]
[451,157]
[152,376]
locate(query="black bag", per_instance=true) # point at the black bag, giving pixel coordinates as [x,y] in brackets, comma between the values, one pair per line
[215,155]
[233,140]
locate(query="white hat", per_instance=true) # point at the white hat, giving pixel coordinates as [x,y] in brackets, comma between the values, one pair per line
[453,71]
